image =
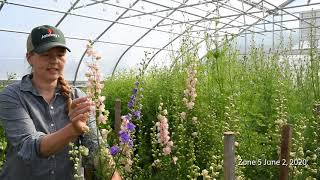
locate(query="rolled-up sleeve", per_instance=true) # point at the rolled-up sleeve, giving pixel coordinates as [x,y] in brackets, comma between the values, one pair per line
[19,127]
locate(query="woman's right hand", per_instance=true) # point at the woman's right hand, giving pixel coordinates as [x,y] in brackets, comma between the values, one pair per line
[79,113]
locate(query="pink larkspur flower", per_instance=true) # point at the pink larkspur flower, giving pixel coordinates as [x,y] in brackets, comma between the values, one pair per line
[102,118]
[167,150]
[102,108]
[89,51]
[98,57]
[101,98]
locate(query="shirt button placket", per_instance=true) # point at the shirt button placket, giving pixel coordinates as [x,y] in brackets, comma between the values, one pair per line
[51,114]
[52,176]
[52,158]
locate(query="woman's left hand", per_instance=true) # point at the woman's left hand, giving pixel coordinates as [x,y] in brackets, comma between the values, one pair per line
[79,113]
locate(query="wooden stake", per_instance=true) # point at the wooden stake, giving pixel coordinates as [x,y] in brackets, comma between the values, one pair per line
[229,156]
[285,151]
[117,115]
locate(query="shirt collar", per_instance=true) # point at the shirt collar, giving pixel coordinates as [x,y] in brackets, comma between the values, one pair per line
[26,85]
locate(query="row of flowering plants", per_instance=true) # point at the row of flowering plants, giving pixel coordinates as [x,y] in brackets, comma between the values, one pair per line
[173,118]
[187,107]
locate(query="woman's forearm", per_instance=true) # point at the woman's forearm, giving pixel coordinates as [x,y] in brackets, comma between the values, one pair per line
[52,143]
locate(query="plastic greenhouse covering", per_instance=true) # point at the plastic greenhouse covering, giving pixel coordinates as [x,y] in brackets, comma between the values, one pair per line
[165,89]
[123,30]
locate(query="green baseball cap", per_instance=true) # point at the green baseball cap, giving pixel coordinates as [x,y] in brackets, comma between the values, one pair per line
[45,37]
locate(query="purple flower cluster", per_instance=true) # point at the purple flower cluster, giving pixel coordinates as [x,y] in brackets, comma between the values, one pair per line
[131,127]
[127,126]
[133,98]
[114,150]
[132,104]
[137,114]
[124,136]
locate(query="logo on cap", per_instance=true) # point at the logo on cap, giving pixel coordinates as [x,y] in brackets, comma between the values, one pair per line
[50,31]
[49,34]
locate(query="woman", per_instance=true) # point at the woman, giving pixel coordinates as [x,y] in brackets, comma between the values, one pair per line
[41,114]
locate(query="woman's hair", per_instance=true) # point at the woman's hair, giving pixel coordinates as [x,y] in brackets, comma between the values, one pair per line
[65,91]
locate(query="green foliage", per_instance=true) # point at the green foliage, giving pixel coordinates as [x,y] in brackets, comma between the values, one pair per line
[252,96]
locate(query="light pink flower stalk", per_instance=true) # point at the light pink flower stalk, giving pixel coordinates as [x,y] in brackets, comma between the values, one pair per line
[163,131]
[190,92]
[95,86]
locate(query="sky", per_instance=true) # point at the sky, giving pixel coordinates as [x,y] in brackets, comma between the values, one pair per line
[90,21]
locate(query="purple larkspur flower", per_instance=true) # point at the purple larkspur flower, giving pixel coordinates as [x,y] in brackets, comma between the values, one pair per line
[136,83]
[137,114]
[133,97]
[127,117]
[130,104]
[124,136]
[134,92]
[130,143]
[131,126]
[114,150]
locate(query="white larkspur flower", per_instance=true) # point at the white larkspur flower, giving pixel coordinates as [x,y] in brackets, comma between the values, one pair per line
[157,124]
[190,105]
[186,92]
[205,172]
[236,144]
[194,134]
[183,115]
[165,112]
[174,159]
[104,132]
[185,100]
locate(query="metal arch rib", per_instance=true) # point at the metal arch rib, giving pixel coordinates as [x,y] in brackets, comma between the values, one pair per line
[84,53]
[66,14]
[281,6]
[196,15]
[308,2]
[91,4]
[115,67]
[275,10]
[2,4]
[186,31]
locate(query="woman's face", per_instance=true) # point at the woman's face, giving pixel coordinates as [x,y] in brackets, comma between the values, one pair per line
[49,65]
